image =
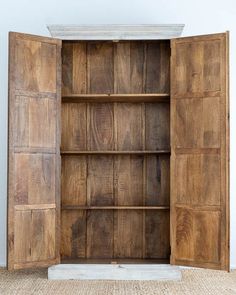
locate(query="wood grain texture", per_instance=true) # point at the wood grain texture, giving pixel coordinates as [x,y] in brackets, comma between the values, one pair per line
[100,180]
[128,177]
[74,180]
[74,126]
[157,67]
[127,67]
[100,67]
[73,234]
[38,229]
[157,126]
[100,127]
[115,182]
[157,234]
[128,234]
[34,152]
[157,191]
[105,150]
[199,152]
[100,234]
[129,126]
[29,111]
[120,97]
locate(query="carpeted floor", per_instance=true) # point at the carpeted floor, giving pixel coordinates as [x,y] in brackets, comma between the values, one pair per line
[195,282]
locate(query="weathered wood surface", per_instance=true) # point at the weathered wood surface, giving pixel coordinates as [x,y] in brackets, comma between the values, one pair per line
[115,155]
[200,152]
[34,152]
[127,67]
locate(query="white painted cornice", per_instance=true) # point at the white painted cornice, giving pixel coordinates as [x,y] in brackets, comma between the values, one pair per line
[116,32]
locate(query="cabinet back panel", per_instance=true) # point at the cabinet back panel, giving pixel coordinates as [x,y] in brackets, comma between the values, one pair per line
[115,126]
[115,234]
[115,180]
[115,67]
[110,180]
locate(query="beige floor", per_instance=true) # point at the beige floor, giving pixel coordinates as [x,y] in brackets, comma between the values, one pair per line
[195,282]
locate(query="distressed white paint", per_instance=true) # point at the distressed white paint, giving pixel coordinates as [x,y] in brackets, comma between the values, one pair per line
[115,32]
[124,272]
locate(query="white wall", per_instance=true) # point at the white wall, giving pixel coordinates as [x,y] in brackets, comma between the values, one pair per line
[200,17]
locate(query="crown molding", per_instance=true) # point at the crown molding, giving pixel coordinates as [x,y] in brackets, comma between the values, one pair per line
[116,32]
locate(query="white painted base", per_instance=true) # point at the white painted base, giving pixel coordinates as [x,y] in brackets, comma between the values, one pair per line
[122,272]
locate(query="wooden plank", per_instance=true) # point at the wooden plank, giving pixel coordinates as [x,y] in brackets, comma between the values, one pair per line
[28,132]
[63,152]
[100,181]
[122,69]
[128,236]
[40,228]
[75,207]
[67,68]
[157,130]
[121,97]
[73,234]
[79,82]
[28,53]
[100,234]
[129,67]
[196,128]
[158,67]
[128,176]
[137,67]
[125,95]
[115,261]
[157,181]
[101,127]
[35,207]
[34,179]
[197,151]
[200,185]
[157,234]
[100,67]
[129,126]
[74,126]
[74,180]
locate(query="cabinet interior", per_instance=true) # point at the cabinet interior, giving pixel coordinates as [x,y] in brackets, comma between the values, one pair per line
[115,151]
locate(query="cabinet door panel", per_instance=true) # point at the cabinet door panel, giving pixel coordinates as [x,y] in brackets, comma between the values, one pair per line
[200,151]
[34,151]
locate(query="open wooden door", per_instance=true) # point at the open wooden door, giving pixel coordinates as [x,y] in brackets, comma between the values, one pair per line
[34,151]
[200,151]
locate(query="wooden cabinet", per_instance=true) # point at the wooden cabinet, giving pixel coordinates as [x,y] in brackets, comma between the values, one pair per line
[118,151]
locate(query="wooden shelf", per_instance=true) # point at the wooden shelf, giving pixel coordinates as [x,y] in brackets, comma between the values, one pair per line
[74,207]
[113,152]
[139,97]
[115,260]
